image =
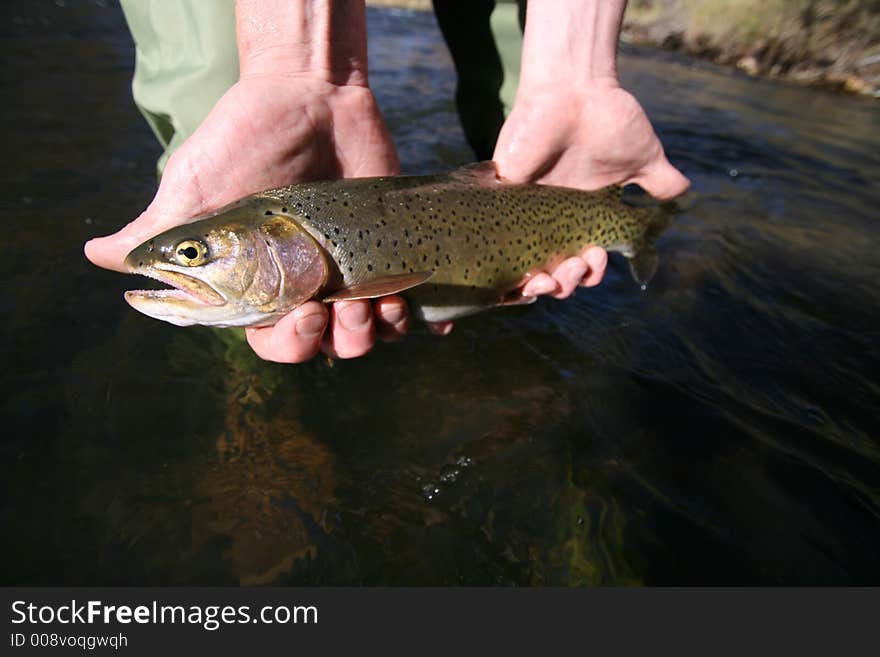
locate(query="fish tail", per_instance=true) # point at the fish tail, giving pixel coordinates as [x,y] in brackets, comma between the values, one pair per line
[642,254]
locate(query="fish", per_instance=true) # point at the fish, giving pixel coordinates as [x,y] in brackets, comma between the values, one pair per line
[452,244]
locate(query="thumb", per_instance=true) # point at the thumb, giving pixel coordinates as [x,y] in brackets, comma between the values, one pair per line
[178,197]
[661,180]
[110,251]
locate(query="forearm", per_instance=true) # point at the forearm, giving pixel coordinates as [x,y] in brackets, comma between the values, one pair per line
[323,38]
[570,42]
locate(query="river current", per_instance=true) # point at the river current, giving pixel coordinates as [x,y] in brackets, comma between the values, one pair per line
[718,428]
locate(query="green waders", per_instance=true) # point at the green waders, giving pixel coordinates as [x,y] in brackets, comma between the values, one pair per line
[186,58]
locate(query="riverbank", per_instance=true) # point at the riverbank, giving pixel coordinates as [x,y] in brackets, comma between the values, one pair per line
[828,43]
[815,42]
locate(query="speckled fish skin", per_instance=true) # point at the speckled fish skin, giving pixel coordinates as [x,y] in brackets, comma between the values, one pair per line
[475,235]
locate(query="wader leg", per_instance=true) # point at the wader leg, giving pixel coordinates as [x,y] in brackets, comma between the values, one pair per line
[186,58]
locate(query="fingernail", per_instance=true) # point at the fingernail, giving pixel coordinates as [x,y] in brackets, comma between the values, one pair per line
[539,286]
[310,326]
[392,313]
[354,317]
[597,258]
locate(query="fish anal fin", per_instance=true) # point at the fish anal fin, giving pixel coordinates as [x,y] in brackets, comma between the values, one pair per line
[379,287]
[643,265]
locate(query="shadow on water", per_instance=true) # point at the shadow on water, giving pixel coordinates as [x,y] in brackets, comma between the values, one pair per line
[718,428]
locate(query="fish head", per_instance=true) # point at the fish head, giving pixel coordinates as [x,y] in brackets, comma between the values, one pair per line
[248,264]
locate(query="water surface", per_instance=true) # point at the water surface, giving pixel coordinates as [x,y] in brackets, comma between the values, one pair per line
[718,428]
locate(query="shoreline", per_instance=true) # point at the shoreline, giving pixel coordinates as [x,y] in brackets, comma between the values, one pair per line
[817,43]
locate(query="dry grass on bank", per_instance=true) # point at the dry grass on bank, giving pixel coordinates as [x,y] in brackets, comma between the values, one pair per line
[829,42]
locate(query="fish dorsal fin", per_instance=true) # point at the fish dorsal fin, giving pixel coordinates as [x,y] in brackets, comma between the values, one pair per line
[379,287]
[479,173]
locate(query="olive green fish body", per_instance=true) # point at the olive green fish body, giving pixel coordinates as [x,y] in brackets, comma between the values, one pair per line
[478,235]
[452,244]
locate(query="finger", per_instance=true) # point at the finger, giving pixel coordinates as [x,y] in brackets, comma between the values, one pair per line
[662,180]
[597,260]
[392,318]
[110,251]
[352,330]
[295,338]
[440,328]
[568,276]
[540,284]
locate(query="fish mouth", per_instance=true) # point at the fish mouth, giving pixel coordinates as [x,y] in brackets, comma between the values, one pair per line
[186,290]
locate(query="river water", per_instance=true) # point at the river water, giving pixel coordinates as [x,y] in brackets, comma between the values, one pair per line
[720,427]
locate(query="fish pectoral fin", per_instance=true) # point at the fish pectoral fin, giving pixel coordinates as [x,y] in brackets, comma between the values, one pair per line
[379,287]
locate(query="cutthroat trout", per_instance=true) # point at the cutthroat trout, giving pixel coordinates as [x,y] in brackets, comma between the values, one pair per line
[452,244]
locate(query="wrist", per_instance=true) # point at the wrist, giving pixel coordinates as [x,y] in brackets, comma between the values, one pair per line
[320,39]
[571,43]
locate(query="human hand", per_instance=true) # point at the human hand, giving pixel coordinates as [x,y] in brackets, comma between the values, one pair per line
[573,125]
[588,138]
[268,131]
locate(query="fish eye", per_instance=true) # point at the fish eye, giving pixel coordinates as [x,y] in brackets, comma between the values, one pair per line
[191,253]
